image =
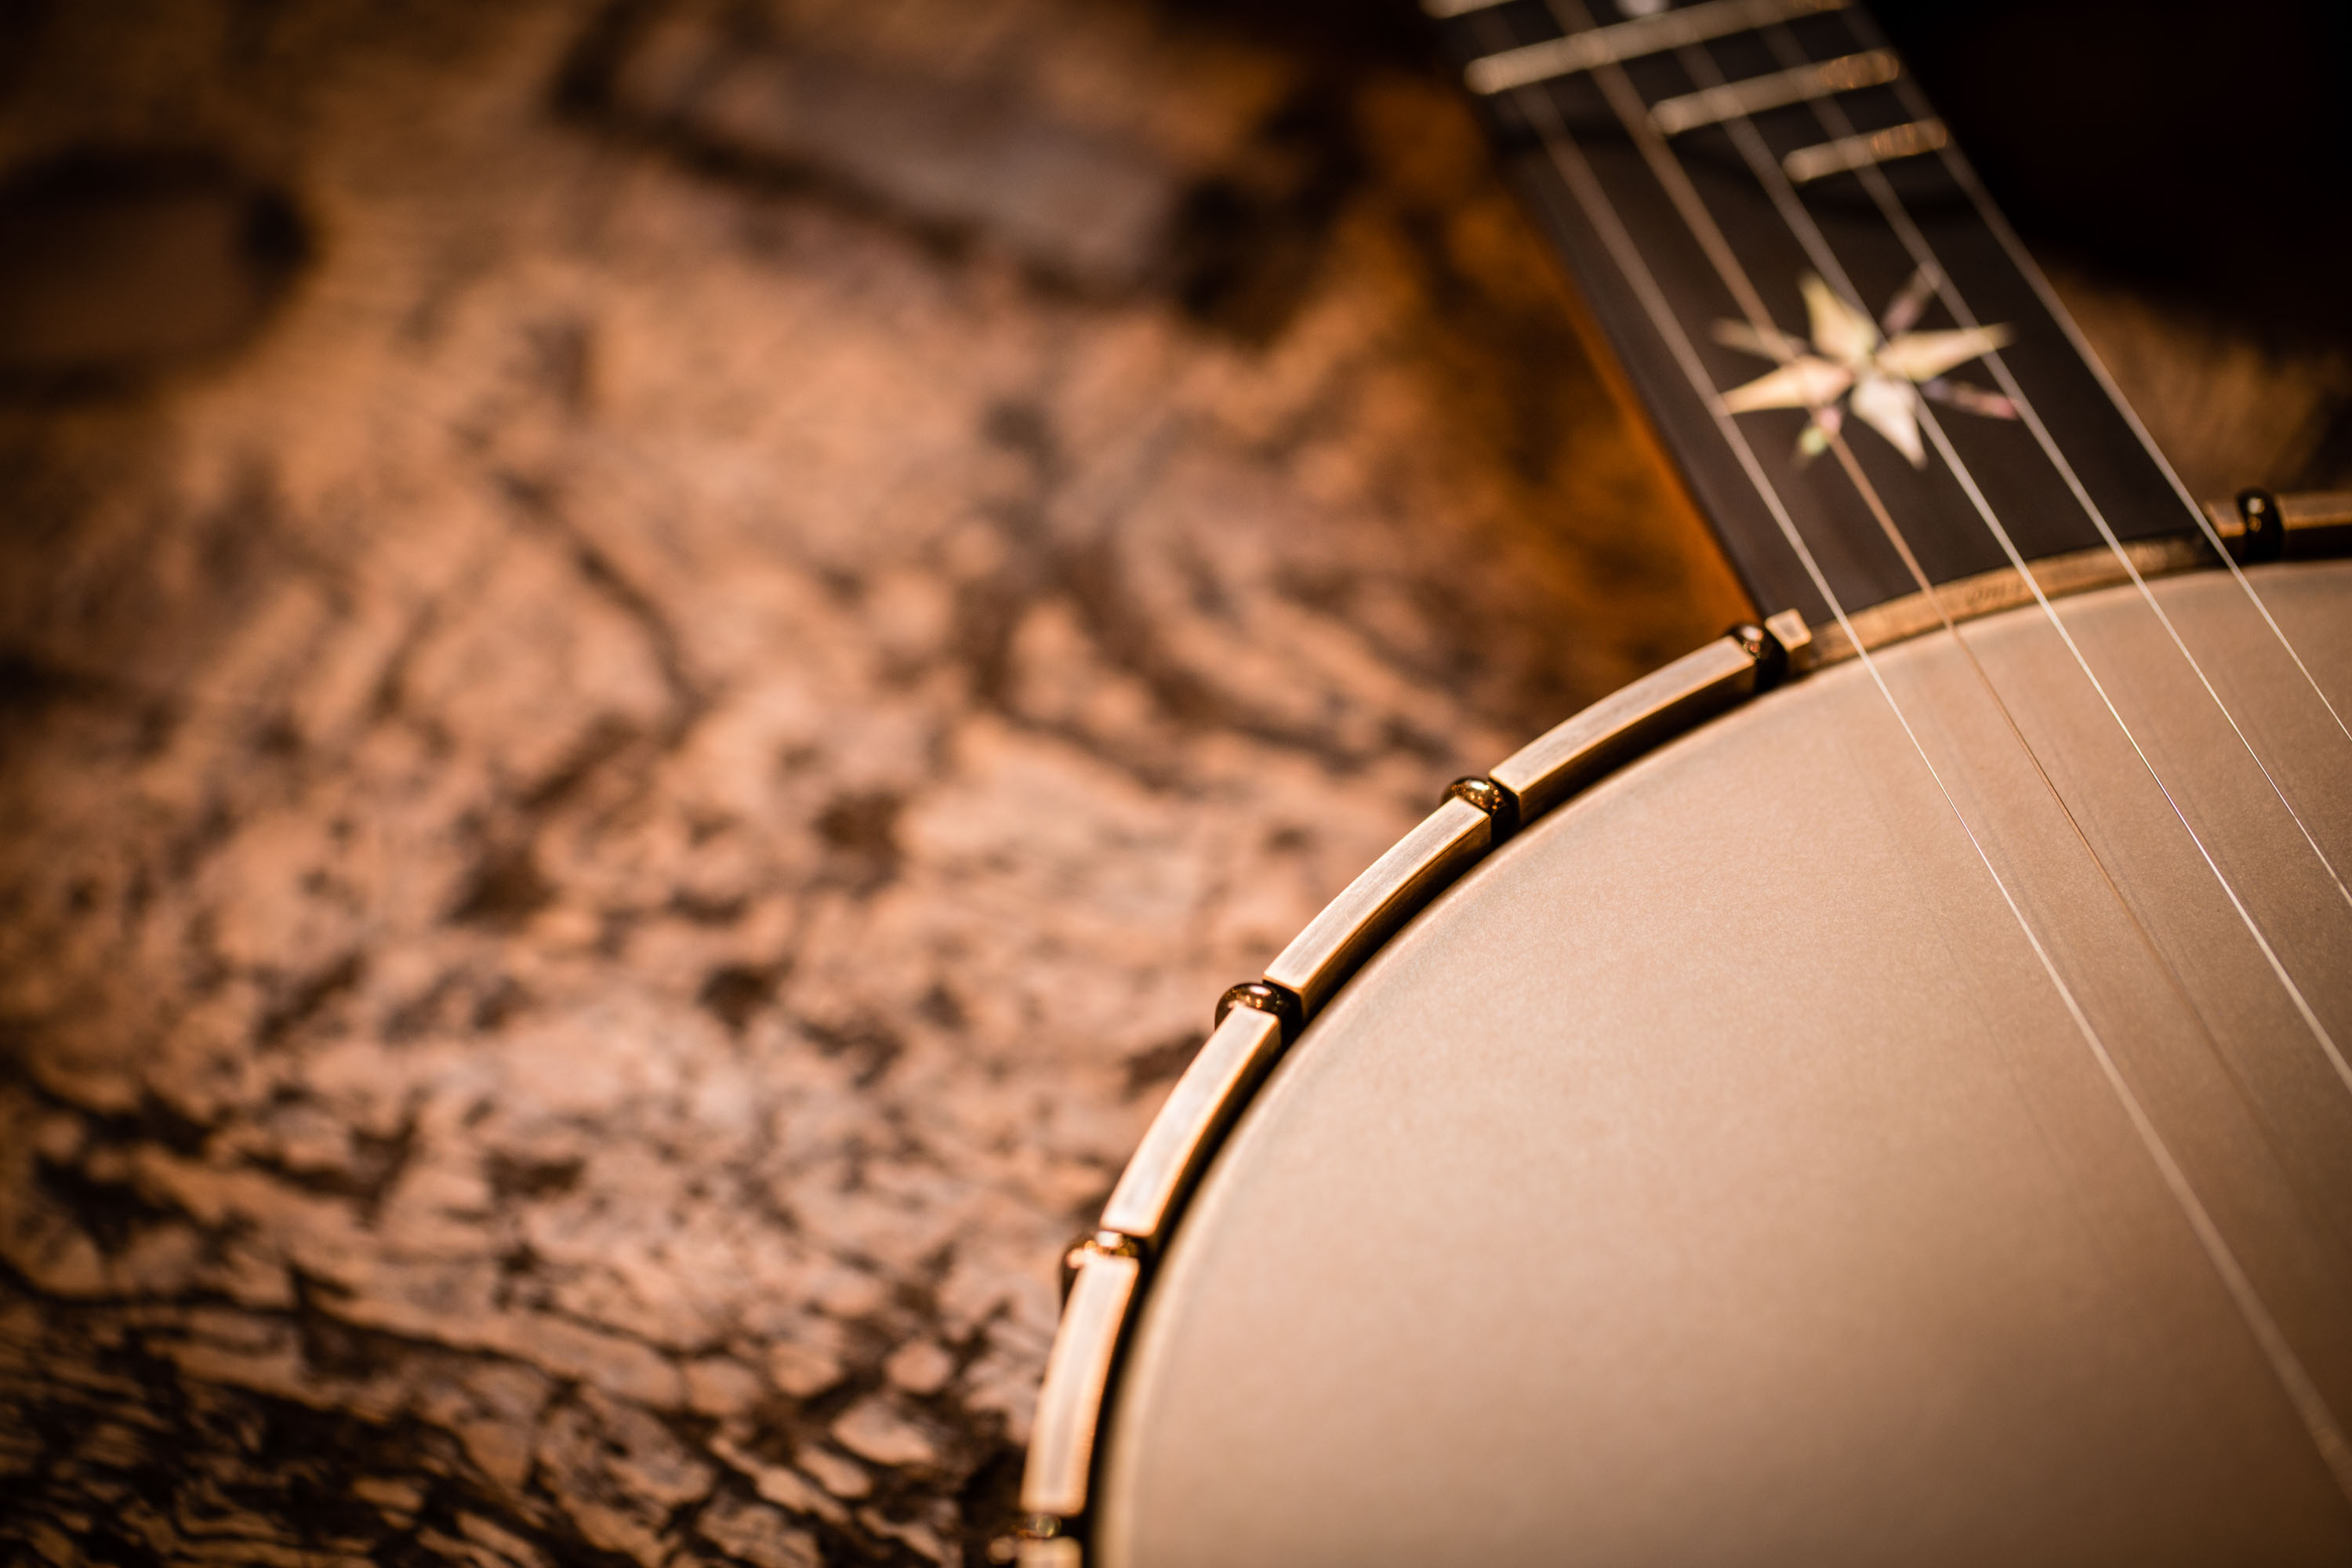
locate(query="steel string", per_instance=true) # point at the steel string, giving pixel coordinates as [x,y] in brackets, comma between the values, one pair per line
[1702,70]
[1963,171]
[2294,1380]
[1831,116]
[1667,169]
[1816,245]
[1808,233]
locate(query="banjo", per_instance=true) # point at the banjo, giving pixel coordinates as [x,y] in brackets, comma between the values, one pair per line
[1878,1088]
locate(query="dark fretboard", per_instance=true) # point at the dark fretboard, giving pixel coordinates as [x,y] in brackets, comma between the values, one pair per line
[1695,164]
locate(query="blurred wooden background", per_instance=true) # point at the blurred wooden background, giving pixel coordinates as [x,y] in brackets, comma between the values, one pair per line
[653,662]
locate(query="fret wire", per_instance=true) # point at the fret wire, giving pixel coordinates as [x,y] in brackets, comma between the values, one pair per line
[1871,67]
[1833,120]
[1963,171]
[1591,47]
[1847,153]
[2295,1381]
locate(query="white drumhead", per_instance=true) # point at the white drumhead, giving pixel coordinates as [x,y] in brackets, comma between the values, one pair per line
[1718,1175]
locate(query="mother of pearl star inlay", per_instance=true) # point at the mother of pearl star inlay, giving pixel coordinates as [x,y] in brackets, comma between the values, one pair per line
[1880,368]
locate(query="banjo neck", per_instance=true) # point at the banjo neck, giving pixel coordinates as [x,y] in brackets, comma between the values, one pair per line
[1863,380]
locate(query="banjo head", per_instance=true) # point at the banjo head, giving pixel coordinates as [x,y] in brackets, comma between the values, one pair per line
[1725,1172]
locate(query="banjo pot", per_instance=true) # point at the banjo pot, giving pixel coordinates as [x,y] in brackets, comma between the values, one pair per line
[1875,1089]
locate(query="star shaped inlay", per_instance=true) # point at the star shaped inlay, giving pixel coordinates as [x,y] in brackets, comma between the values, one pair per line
[1879,369]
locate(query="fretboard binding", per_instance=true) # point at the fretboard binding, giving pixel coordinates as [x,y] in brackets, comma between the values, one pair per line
[1847,152]
[1872,68]
[1620,41]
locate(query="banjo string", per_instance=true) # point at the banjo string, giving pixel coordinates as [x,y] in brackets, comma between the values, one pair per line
[1750,144]
[1834,122]
[2319,1031]
[1674,181]
[1816,245]
[1964,173]
[2294,1380]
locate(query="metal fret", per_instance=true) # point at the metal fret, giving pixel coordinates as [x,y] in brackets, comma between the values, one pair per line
[1800,84]
[1818,67]
[1848,153]
[1621,41]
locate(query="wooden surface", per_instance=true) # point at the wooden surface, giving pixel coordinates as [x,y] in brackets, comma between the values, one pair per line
[626,775]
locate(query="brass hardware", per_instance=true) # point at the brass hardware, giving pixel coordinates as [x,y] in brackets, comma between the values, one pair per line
[2264,526]
[1284,1005]
[1107,1239]
[1774,645]
[1078,1371]
[1796,640]
[2311,523]
[1038,1543]
[1501,806]
[2316,509]
[1666,702]
[1338,940]
[1191,1123]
